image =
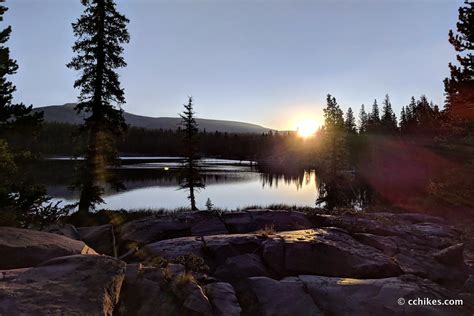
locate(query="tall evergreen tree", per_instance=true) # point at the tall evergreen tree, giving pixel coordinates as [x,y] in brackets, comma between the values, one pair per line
[191,178]
[459,87]
[19,197]
[350,122]
[410,112]
[363,120]
[373,122]
[403,120]
[388,121]
[101,31]
[334,136]
[334,156]
[17,117]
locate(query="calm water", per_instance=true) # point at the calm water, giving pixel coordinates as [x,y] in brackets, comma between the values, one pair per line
[152,182]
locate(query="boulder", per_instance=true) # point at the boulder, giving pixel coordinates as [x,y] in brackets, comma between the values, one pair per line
[241,267]
[172,248]
[21,248]
[387,296]
[277,298]
[66,230]
[354,224]
[451,256]
[151,229]
[144,292]
[253,220]
[469,284]
[385,244]
[239,222]
[208,226]
[411,218]
[100,238]
[155,228]
[71,285]
[223,299]
[195,301]
[326,252]
[215,249]
[437,233]
[420,259]
[280,220]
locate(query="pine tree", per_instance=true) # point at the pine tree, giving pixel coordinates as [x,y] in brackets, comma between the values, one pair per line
[19,197]
[191,178]
[334,136]
[101,33]
[334,156]
[363,120]
[13,116]
[350,123]
[388,121]
[373,122]
[410,113]
[403,120]
[459,87]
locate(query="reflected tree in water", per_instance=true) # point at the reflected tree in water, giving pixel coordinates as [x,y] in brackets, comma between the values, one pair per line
[191,178]
[101,32]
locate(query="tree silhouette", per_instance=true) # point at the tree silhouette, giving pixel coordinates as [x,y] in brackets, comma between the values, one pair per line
[403,120]
[190,178]
[350,122]
[334,154]
[19,197]
[388,122]
[459,87]
[13,116]
[101,32]
[373,121]
[363,120]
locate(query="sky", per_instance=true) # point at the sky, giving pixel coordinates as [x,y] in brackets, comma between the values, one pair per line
[269,62]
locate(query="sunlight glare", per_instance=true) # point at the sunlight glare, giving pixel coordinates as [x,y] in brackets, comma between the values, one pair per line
[307,128]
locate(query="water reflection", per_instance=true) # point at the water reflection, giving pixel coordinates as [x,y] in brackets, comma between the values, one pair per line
[153,183]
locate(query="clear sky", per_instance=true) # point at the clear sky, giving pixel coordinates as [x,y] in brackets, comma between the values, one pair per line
[269,62]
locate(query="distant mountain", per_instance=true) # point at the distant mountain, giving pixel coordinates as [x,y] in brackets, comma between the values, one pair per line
[66,114]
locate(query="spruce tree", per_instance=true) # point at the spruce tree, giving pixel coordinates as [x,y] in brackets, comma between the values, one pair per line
[363,120]
[190,178]
[403,120]
[459,87]
[101,31]
[20,198]
[388,122]
[350,123]
[16,117]
[334,136]
[373,122]
[334,156]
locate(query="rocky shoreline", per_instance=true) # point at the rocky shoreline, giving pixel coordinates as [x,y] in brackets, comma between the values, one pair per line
[256,262]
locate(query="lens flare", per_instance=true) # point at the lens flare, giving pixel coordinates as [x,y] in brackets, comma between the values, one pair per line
[307,128]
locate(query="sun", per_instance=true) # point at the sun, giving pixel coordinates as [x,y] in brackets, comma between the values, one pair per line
[307,128]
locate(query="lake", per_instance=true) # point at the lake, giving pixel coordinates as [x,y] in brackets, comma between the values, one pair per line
[152,182]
